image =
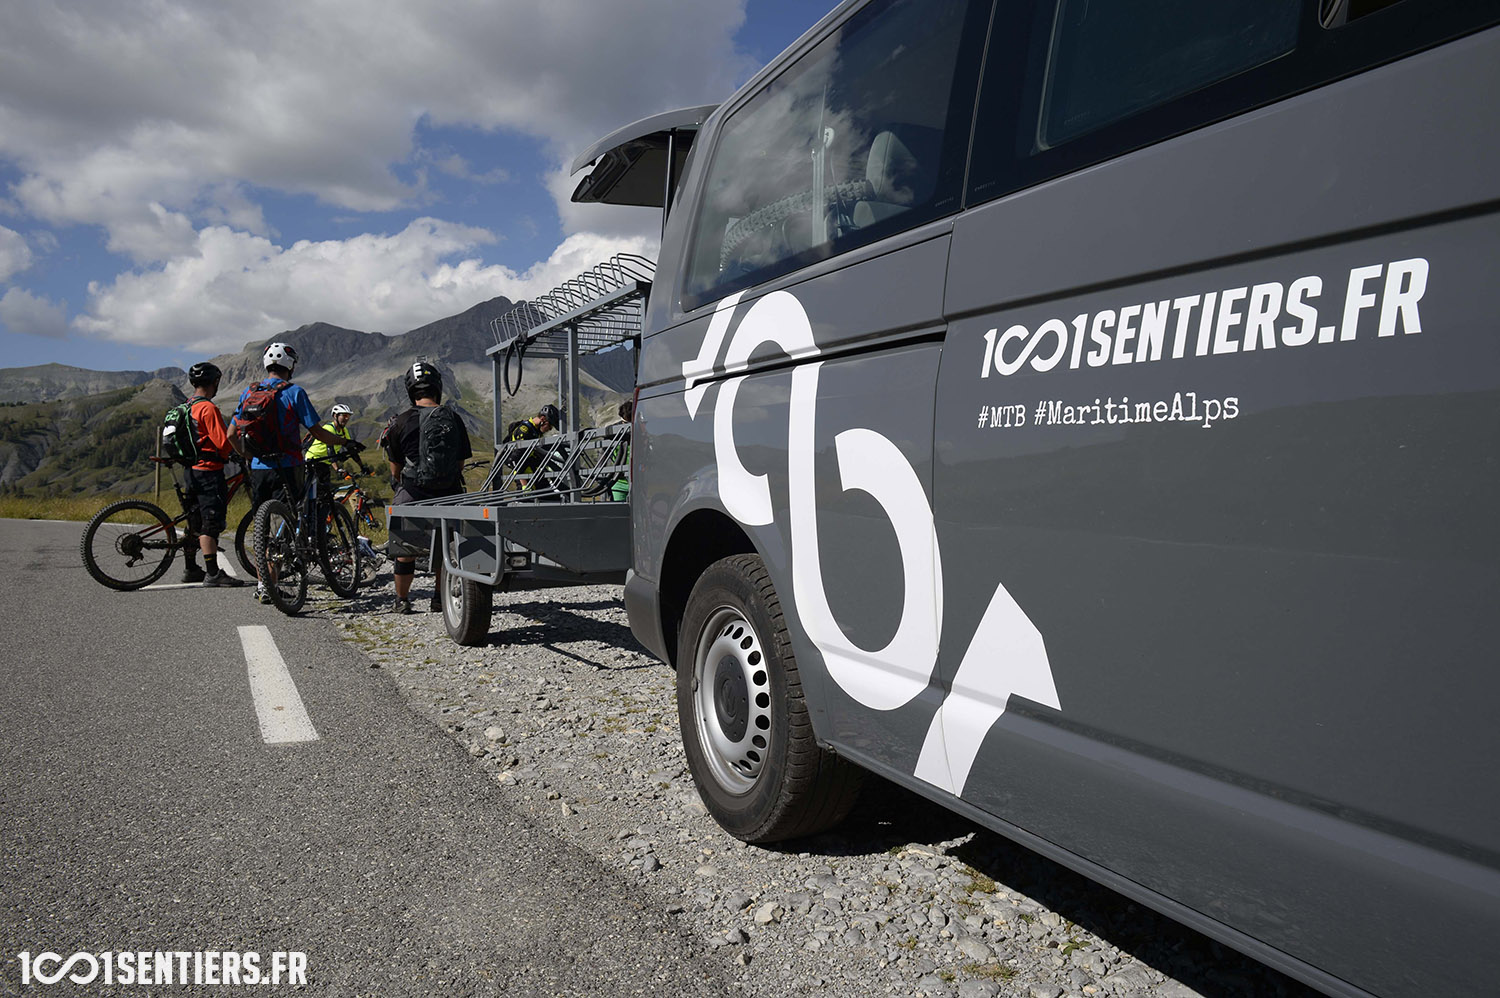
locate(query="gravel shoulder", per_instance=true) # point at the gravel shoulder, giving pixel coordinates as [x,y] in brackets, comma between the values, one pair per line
[577,724]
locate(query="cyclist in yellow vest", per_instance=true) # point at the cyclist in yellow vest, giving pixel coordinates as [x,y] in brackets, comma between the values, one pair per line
[319,455]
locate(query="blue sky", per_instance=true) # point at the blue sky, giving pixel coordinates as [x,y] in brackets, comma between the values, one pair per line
[180,178]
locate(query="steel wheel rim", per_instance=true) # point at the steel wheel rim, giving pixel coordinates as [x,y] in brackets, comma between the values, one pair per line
[732,700]
[453,596]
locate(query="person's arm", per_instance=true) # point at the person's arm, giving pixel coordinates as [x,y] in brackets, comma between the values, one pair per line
[468,452]
[234,430]
[327,436]
[308,416]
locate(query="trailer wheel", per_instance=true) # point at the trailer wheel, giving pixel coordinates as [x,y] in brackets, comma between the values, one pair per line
[745,727]
[467,606]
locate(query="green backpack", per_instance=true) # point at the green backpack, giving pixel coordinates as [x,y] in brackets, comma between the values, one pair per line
[179,435]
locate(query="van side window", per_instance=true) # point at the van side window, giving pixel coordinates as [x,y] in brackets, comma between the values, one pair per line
[1108,61]
[851,143]
[1071,83]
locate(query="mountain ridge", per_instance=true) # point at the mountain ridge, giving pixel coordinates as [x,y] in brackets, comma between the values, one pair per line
[65,429]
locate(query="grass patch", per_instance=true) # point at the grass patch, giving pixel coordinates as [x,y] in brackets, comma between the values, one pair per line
[990,971]
[979,884]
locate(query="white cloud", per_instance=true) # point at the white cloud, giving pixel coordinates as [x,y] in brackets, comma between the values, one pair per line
[15,254]
[137,114]
[23,312]
[236,286]
[160,120]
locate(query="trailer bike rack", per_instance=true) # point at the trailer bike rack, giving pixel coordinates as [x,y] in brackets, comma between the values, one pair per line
[546,512]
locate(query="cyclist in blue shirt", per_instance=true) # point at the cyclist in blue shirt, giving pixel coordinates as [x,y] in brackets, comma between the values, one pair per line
[275,439]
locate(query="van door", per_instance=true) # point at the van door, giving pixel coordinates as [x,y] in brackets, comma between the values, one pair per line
[1215,472]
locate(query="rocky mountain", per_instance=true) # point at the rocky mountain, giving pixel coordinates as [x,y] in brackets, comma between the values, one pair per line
[68,430]
[48,382]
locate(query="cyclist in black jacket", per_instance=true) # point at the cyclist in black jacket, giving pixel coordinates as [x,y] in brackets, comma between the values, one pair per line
[402,443]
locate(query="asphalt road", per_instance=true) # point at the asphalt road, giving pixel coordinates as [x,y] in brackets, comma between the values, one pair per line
[141,808]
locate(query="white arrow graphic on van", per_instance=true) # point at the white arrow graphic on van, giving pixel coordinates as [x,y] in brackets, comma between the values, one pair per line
[1006,655]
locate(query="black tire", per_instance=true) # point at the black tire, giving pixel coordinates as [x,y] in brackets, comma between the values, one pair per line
[339,553]
[467,608]
[281,567]
[242,533]
[128,544]
[749,740]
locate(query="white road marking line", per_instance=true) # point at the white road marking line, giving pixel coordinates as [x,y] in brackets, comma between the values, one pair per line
[226,565]
[282,717]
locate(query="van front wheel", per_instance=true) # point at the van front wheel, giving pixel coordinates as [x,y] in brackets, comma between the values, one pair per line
[749,741]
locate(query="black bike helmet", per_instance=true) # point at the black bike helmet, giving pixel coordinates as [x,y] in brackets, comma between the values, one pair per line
[204,374]
[551,415]
[422,378]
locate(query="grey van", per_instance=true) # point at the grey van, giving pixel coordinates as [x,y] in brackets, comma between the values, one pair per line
[1085,414]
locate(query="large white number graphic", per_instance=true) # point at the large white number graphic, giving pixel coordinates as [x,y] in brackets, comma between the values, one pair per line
[890,677]
[777,318]
[1006,654]
[702,366]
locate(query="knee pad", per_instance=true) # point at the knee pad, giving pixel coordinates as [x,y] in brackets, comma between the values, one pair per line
[404,568]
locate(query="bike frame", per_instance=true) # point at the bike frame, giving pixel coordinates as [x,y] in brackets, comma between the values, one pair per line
[233,484]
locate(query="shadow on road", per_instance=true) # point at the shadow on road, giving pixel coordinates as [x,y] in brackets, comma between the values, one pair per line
[888,817]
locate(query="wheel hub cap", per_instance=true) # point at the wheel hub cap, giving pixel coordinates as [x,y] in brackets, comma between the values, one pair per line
[731,698]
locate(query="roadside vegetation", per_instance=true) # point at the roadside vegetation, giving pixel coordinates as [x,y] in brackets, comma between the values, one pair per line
[24,506]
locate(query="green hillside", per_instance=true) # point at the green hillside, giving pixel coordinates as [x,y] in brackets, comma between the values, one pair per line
[98,443]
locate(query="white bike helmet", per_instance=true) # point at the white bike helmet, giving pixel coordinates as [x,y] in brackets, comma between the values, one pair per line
[280,355]
[341,408]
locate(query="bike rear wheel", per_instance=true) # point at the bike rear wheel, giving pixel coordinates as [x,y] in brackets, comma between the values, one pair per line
[244,536]
[128,544]
[339,553]
[283,572]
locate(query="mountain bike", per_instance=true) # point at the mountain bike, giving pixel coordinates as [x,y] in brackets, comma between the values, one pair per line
[354,498]
[357,501]
[294,532]
[130,544]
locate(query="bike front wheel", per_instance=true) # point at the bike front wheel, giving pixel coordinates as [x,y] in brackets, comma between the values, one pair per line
[339,553]
[128,544]
[283,572]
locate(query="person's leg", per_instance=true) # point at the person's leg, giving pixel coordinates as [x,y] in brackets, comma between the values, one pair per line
[191,572]
[403,570]
[213,508]
[404,565]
